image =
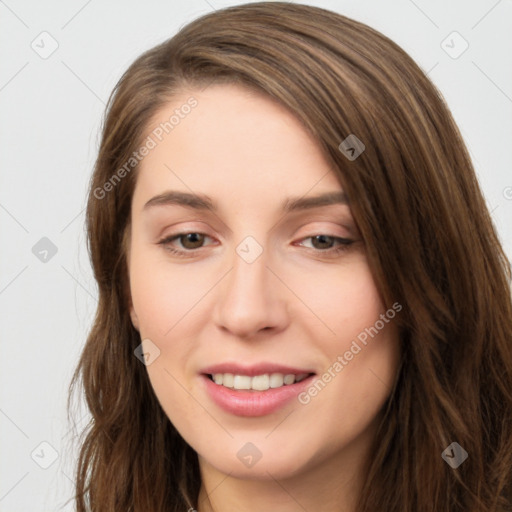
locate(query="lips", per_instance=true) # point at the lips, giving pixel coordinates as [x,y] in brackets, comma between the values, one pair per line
[244,400]
[256,369]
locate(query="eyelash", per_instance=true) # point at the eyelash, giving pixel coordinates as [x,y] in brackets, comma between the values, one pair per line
[331,252]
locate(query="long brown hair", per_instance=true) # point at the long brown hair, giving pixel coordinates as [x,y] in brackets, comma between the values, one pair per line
[430,243]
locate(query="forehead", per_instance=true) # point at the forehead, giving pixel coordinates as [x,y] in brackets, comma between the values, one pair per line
[234,144]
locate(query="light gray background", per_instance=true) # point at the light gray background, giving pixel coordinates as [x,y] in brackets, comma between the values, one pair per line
[50,116]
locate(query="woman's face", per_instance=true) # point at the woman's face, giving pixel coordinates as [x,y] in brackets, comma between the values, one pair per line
[269,287]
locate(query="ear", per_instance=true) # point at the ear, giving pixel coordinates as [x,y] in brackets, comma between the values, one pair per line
[126,287]
[134,317]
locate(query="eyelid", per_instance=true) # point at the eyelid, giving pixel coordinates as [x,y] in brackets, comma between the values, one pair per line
[179,234]
[343,244]
[313,230]
[328,228]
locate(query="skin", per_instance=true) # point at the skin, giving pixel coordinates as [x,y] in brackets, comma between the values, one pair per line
[293,305]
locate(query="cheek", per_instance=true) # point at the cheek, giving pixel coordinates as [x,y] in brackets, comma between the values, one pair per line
[366,338]
[163,294]
[343,297]
[361,357]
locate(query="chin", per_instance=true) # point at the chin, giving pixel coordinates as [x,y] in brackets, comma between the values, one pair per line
[274,465]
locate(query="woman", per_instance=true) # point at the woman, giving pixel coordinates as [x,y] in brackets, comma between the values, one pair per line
[303,303]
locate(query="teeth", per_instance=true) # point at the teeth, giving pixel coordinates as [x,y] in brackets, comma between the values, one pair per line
[276,380]
[227,379]
[242,382]
[289,379]
[258,382]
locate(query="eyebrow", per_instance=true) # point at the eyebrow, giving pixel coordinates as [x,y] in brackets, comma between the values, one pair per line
[204,202]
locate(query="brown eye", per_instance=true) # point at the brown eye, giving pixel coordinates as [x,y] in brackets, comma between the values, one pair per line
[191,240]
[187,243]
[327,245]
[324,241]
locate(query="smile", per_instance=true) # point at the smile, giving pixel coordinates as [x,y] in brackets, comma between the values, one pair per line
[254,395]
[256,382]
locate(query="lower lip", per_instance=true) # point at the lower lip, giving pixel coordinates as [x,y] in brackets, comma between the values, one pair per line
[253,403]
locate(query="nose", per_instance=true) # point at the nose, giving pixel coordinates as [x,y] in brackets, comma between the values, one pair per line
[250,299]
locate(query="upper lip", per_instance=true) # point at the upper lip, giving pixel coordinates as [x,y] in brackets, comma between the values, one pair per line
[254,369]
